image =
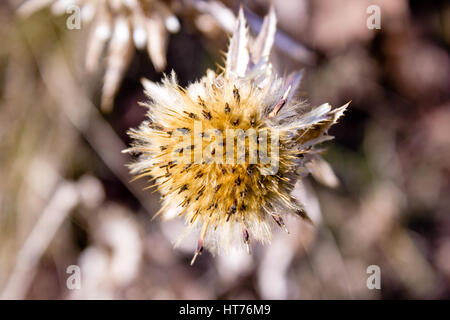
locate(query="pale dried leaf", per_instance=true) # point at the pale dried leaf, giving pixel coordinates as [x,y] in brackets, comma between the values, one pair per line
[221,14]
[157,42]
[238,55]
[139,29]
[29,7]
[170,20]
[120,51]
[264,41]
[322,172]
[60,7]
[100,34]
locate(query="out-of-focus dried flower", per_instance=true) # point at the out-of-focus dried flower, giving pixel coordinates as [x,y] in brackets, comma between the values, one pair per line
[118,24]
[186,143]
[113,258]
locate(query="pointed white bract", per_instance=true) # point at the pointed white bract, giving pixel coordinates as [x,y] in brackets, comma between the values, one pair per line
[113,23]
[264,42]
[238,55]
[228,205]
[247,55]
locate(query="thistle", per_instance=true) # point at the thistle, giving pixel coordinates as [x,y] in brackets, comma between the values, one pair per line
[226,152]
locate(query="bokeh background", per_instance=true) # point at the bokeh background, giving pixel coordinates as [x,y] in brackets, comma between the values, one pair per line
[66,196]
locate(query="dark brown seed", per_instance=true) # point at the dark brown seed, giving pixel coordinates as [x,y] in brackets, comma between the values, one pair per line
[280,222]
[207,115]
[171,165]
[199,175]
[303,215]
[155,126]
[199,194]
[227,108]
[236,94]
[187,202]
[183,188]
[201,102]
[184,131]
[245,235]
[199,246]
[186,167]
[233,208]
[191,115]
[234,205]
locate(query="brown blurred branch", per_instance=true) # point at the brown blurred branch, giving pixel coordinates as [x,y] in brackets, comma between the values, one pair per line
[59,206]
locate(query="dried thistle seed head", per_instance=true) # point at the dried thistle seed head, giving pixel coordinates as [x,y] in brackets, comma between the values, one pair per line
[118,25]
[226,151]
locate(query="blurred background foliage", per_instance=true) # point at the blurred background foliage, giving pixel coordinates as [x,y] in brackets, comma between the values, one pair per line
[66,196]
